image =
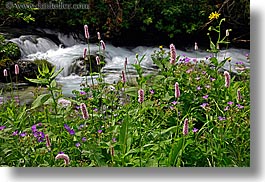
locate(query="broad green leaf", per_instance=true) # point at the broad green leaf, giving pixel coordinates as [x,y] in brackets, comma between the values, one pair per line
[40,100]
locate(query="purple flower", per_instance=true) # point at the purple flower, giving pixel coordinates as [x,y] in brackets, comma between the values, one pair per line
[71,132]
[15,133]
[66,127]
[197,78]
[207,86]
[77,144]
[194,60]
[84,139]
[187,60]
[239,62]
[34,128]
[194,130]
[82,93]
[174,102]
[189,70]
[205,96]
[212,79]
[240,106]
[114,140]
[204,105]
[81,126]
[99,131]
[23,134]
[221,118]
[152,92]
[61,152]
[226,108]
[199,88]
[230,103]
[2,127]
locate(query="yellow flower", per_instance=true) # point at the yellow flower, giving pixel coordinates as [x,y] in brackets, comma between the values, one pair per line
[214,15]
[160,47]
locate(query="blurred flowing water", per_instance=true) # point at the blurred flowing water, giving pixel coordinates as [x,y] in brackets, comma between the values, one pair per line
[65,51]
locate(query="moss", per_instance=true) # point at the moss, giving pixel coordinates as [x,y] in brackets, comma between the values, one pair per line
[5,62]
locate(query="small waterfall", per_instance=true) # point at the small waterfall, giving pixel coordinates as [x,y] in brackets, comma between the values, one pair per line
[30,44]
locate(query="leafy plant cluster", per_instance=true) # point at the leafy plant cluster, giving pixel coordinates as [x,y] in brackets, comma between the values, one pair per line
[8,50]
[189,114]
[114,17]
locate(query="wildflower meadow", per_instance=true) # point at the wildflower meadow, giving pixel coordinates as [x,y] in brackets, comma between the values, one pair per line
[190,113]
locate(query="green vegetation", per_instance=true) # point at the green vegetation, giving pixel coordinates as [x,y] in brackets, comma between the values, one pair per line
[152,19]
[188,114]
[8,50]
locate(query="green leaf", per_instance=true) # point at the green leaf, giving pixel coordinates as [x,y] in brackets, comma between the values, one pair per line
[132,91]
[41,81]
[176,153]
[56,73]
[40,100]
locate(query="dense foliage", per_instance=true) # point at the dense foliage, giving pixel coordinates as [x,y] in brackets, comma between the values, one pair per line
[152,20]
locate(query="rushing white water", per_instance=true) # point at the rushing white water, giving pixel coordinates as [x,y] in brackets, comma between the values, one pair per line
[33,47]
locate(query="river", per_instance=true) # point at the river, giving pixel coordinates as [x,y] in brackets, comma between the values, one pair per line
[64,52]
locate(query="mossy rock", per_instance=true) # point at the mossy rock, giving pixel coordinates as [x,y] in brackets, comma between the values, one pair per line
[5,62]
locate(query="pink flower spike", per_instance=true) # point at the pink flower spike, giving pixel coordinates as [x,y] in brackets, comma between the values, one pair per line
[84,54]
[86,32]
[125,63]
[99,37]
[177,91]
[186,127]
[239,97]
[84,111]
[173,54]
[123,77]
[65,157]
[48,143]
[5,72]
[98,60]
[16,69]
[196,46]
[103,45]
[141,96]
[227,79]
